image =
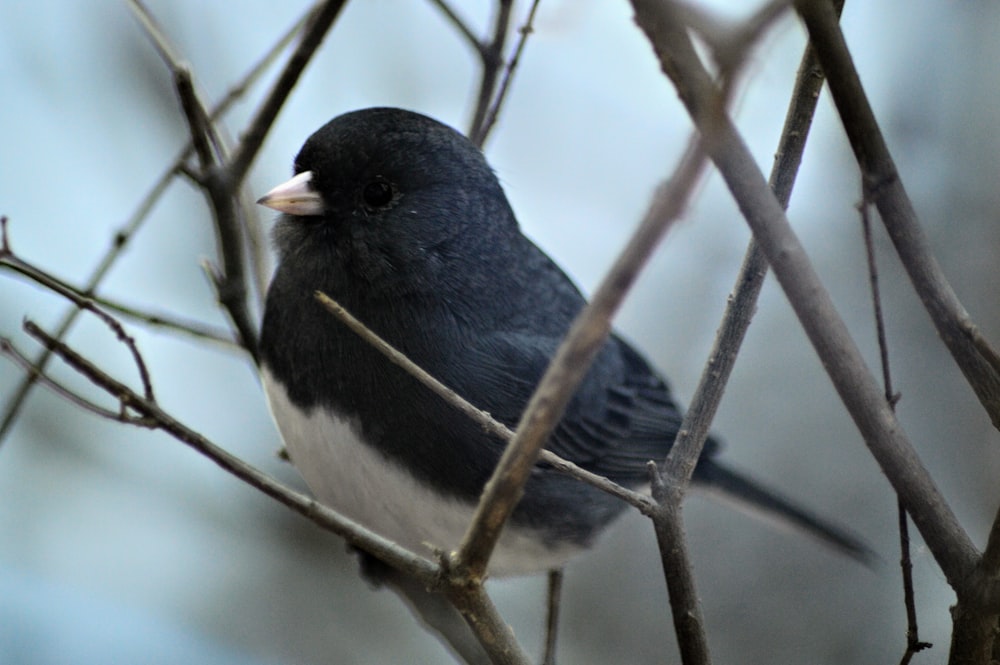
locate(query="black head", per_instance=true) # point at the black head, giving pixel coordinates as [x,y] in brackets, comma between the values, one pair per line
[389,201]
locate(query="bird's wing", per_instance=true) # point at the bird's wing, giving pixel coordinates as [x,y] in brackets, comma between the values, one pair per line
[622,416]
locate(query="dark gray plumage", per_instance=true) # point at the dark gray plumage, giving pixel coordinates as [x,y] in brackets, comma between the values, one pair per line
[401,220]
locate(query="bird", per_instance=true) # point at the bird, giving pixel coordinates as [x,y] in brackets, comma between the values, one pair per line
[400,219]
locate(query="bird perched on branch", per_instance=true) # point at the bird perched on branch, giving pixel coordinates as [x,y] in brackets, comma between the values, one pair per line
[401,220]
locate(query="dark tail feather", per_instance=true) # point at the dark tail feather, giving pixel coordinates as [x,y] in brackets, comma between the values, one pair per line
[748,494]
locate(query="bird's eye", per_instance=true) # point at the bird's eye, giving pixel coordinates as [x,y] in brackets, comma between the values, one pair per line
[378,194]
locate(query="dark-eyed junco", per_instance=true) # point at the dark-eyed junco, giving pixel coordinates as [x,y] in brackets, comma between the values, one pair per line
[400,219]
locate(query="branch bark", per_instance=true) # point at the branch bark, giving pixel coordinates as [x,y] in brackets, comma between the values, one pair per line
[975,357]
[857,388]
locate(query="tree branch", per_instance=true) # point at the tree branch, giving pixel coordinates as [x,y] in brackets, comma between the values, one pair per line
[492,59]
[574,356]
[952,548]
[490,119]
[477,415]
[977,359]
[670,485]
[322,18]
[151,415]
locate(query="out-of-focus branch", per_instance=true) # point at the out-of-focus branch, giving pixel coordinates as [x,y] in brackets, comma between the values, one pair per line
[150,414]
[8,349]
[460,24]
[555,578]
[977,359]
[11,260]
[952,548]
[322,17]
[122,237]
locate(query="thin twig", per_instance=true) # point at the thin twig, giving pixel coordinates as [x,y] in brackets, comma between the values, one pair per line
[39,276]
[508,75]
[477,415]
[155,417]
[461,25]
[156,34]
[322,17]
[123,235]
[555,579]
[913,643]
[8,349]
[173,323]
[491,61]
[163,320]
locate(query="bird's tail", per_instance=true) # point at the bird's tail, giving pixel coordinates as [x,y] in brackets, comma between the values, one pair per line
[772,506]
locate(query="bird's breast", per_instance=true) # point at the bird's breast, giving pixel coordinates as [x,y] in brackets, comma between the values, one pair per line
[352,477]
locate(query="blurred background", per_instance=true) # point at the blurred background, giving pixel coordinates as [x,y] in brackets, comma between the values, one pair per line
[121,545]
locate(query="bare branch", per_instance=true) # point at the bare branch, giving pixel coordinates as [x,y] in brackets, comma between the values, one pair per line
[153,416]
[8,349]
[156,34]
[491,116]
[480,417]
[977,359]
[913,643]
[482,616]
[555,578]
[564,373]
[685,608]
[461,25]
[121,238]
[39,276]
[951,546]
[173,323]
[163,320]
[322,17]
[669,487]
[492,59]
[469,598]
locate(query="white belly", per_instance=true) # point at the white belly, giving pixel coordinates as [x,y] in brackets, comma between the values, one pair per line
[362,484]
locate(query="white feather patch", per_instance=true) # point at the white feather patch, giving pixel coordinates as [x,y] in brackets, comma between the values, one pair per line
[361,483]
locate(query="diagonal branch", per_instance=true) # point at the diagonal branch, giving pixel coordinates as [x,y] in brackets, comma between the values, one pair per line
[977,359]
[492,59]
[152,415]
[123,235]
[490,118]
[39,276]
[322,17]
[480,417]
[679,465]
[470,599]
[574,356]
[460,25]
[952,548]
